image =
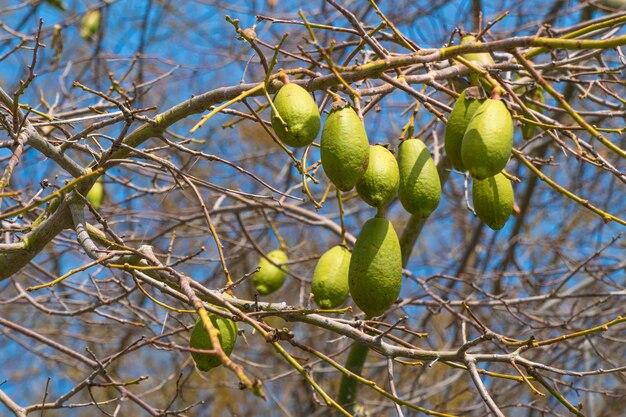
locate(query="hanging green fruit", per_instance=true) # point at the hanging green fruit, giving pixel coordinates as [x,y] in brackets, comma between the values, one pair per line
[90,24]
[493,200]
[270,277]
[480,58]
[420,187]
[528,129]
[200,340]
[613,4]
[57,3]
[375,272]
[95,196]
[298,110]
[379,185]
[330,277]
[344,147]
[460,116]
[488,140]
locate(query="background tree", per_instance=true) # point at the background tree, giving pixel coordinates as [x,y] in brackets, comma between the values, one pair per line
[97,299]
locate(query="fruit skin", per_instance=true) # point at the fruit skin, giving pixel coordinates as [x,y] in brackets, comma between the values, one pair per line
[379,185]
[420,186]
[488,140]
[200,340]
[330,277]
[96,194]
[375,272]
[299,111]
[269,277]
[344,148]
[480,58]
[528,130]
[493,200]
[90,24]
[460,116]
[613,4]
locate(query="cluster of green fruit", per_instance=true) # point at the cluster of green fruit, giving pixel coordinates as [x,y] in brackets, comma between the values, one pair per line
[372,273]
[479,139]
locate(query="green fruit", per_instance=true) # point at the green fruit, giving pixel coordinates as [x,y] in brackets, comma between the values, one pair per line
[420,187]
[269,277]
[613,4]
[90,24]
[379,185]
[330,278]
[460,116]
[299,111]
[200,340]
[488,140]
[344,148]
[480,58]
[375,272]
[493,200]
[56,3]
[528,130]
[96,194]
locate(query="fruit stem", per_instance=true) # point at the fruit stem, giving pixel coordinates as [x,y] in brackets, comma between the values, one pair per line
[343,226]
[336,97]
[283,77]
[496,93]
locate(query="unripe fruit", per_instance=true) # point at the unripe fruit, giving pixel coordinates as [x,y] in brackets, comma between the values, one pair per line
[90,24]
[488,140]
[375,272]
[480,58]
[299,111]
[420,187]
[344,148]
[493,200]
[460,116]
[330,278]
[96,194]
[528,130]
[269,277]
[200,340]
[379,185]
[57,3]
[613,4]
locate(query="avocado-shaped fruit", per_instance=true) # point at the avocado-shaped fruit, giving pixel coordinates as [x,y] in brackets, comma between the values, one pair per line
[270,277]
[528,129]
[480,58]
[90,24]
[200,340]
[344,148]
[379,185]
[96,194]
[375,272]
[613,4]
[420,187]
[460,116]
[488,140]
[493,200]
[330,277]
[300,114]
